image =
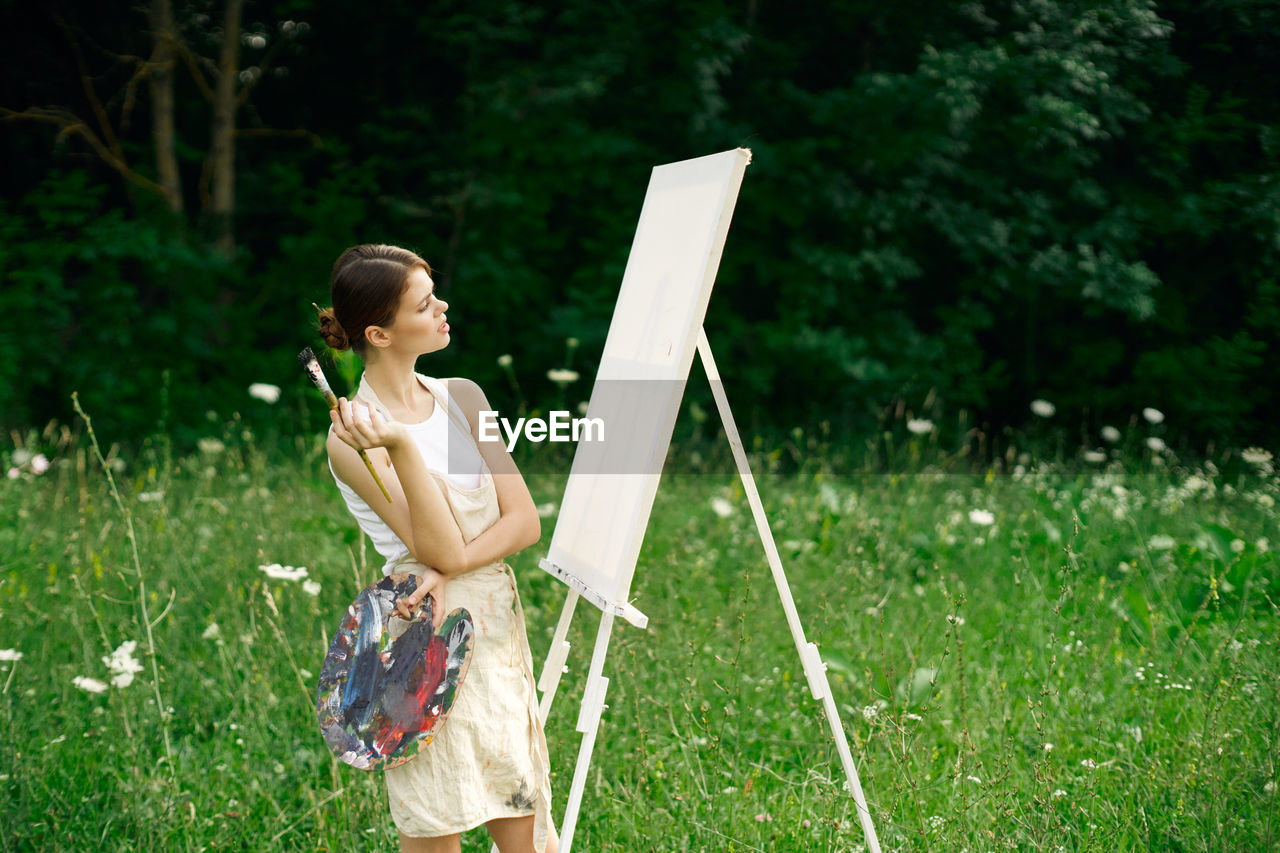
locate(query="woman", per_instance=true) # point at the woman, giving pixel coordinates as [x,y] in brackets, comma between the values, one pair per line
[458,507]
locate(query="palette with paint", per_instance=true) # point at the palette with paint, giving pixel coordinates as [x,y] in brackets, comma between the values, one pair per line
[382,700]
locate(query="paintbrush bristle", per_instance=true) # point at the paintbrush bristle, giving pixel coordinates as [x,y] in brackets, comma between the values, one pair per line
[306,356]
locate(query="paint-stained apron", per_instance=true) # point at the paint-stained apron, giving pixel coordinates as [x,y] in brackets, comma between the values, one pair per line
[489,759]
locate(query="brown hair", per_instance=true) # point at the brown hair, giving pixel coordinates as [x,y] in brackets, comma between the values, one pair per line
[367,283]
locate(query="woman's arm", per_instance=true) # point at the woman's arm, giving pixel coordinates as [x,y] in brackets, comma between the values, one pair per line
[519,526]
[418,513]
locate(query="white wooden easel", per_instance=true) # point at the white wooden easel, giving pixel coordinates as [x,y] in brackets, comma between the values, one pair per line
[656,328]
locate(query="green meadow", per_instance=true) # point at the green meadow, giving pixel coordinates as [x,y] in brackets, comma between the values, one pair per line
[1050,653]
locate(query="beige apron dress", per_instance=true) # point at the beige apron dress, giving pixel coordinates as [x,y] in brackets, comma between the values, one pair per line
[489,760]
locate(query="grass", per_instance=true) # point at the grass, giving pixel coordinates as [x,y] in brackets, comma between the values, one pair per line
[1095,670]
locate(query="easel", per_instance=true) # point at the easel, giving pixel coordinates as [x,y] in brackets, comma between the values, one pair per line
[611,606]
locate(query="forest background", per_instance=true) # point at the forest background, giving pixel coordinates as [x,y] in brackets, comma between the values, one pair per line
[953,209]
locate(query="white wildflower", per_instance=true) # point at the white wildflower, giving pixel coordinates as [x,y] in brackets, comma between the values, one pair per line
[1058,793]
[90,685]
[284,573]
[1048,747]
[1156,443]
[1153,416]
[7,655]
[1256,456]
[1095,456]
[1269,789]
[869,712]
[562,377]
[910,716]
[547,510]
[39,464]
[1109,434]
[264,392]
[1089,764]
[955,620]
[1161,542]
[123,664]
[13,473]
[211,446]
[1263,545]
[151,497]
[211,632]
[974,779]
[936,821]
[721,507]
[919,426]
[311,587]
[982,517]
[504,360]
[1237,546]
[1043,408]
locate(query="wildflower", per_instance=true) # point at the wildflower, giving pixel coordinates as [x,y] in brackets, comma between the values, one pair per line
[955,620]
[974,779]
[1156,443]
[210,632]
[39,464]
[764,816]
[911,716]
[211,446]
[1095,456]
[1263,544]
[264,392]
[151,497]
[806,823]
[1237,546]
[1058,793]
[1259,458]
[919,426]
[869,712]
[936,821]
[721,507]
[1153,416]
[1048,747]
[571,343]
[1109,434]
[90,685]
[13,473]
[982,517]
[547,510]
[1161,542]
[1269,789]
[284,573]
[562,377]
[123,664]
[10,655]
[1043,408]
[311,587]
[504,360]
[1089,764]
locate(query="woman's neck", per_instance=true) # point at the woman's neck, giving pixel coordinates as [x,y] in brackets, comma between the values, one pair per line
[394,381]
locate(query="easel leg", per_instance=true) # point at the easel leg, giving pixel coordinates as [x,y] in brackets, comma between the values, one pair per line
[814,669]
[556,657]
[588,723]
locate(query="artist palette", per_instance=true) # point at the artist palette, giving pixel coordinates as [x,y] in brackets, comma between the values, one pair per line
[382,700]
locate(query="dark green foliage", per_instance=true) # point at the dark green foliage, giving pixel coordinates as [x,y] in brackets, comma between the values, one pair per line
[951,206]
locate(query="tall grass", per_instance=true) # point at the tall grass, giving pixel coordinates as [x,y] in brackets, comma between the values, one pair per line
[1090,667]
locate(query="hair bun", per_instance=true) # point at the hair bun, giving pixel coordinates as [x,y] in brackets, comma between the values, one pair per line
[331,330]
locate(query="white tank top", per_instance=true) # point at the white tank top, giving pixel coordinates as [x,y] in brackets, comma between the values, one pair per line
[447,447]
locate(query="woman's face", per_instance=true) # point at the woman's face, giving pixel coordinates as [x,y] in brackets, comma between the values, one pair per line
[420,320]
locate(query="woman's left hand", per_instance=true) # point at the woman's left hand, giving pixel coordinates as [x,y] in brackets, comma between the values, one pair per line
[430,583]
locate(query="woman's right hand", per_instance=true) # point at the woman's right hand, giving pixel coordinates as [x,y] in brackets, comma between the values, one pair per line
[364,428]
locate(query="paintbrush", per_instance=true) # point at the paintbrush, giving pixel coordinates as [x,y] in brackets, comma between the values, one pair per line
[308,361]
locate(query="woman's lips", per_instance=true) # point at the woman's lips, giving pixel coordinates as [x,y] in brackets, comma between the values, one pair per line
[444,327]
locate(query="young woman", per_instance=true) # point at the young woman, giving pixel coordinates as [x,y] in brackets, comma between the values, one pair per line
[458,507]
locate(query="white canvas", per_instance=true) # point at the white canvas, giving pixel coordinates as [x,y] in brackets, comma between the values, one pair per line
[646,360]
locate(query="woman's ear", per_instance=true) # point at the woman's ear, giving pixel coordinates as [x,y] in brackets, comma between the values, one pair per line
[377,336]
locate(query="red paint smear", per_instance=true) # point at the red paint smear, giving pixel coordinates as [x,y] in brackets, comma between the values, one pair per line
[407,716]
